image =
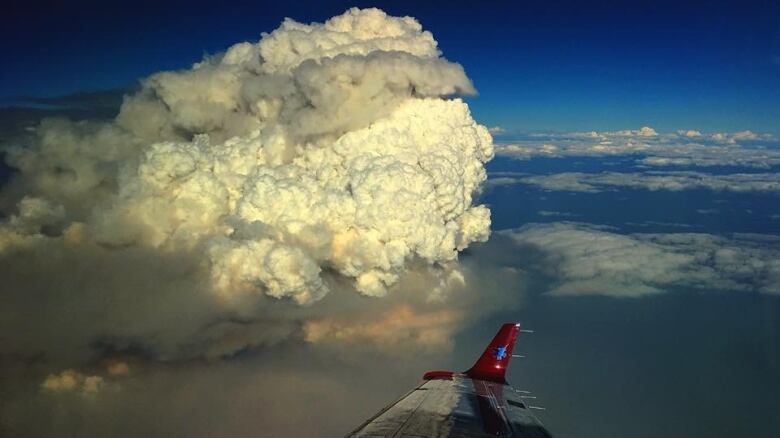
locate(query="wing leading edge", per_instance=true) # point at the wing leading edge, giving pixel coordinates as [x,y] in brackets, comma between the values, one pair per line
[476,403]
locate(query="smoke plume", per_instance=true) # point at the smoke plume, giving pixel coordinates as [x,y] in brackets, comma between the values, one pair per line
[255,198]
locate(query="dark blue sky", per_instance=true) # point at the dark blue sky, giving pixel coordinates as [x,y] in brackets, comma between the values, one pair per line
[539,65]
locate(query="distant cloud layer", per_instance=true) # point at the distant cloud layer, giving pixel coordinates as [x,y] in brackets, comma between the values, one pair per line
[584,259]
[672,181]
[646,147]
[682,148]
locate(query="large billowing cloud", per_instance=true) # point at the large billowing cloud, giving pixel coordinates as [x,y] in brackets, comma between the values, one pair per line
[246,201]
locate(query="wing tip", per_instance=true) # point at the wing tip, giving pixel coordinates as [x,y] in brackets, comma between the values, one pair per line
[493,362]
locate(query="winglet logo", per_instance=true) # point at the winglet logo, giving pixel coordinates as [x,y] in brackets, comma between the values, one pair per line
[500,353]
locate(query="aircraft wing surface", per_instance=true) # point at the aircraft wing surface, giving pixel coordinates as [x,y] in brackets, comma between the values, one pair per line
[476,403]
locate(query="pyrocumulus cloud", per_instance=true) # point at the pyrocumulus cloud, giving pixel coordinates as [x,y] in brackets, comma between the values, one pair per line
[226,201]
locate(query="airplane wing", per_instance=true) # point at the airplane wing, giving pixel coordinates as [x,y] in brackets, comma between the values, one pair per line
[476,403]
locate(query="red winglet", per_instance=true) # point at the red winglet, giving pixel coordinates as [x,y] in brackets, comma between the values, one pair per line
[494,360]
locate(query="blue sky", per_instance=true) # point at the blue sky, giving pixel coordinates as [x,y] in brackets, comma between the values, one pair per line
[539,65]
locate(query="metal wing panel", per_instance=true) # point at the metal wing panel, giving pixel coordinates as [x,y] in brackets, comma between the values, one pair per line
[460,407]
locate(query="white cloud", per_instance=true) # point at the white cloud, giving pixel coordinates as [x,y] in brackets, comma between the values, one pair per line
[673,181]
[690,133]
[683,148]
[582,259]
[645,131]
